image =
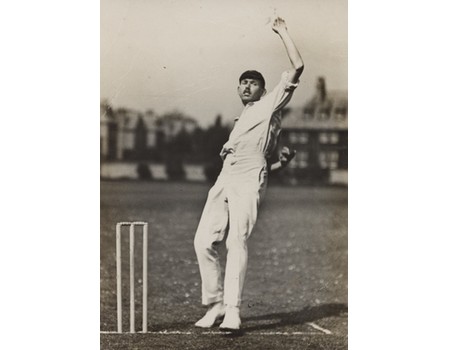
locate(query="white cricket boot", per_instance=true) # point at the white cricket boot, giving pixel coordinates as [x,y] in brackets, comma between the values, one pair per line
[215,312]
[232,320]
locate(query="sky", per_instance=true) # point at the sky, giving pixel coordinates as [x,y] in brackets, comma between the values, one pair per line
[188,55]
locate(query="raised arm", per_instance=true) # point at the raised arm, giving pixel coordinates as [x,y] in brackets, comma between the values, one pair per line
[279,27]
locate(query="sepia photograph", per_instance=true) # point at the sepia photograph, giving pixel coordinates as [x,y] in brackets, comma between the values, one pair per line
[223,174]
[230,196]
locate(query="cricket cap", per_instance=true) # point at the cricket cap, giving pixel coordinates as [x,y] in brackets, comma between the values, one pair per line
[253,74]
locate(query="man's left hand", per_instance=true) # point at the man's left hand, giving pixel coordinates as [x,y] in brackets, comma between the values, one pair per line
[286,156]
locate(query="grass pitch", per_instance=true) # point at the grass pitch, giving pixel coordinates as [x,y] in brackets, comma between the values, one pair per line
[295,295]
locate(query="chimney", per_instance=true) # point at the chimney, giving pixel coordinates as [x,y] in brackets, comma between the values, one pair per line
[321,91]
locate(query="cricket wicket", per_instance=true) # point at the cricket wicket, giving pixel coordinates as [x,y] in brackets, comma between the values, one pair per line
[144,273]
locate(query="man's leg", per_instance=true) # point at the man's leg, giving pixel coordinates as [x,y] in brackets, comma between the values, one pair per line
[243,204]
[210,232]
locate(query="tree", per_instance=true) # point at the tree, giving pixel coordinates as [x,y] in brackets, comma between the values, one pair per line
[215,137]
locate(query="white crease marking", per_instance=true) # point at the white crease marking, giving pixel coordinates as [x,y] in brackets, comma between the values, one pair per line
[219,332]
[313,325]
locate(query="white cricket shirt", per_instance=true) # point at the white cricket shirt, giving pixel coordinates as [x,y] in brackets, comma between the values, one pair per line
[256,130]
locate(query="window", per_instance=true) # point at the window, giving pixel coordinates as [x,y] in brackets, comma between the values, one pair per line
[303,137]
[303,159]
[308,113]
[341,112]
[298,137]
[340,116]
[323,137]
[127,139]
[328,137]
[324,113]
[328,159]
[334,137]
[293,137]
[151,139]
[300,160]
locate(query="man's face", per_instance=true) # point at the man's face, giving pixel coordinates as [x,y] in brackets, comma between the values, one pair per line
[250,90]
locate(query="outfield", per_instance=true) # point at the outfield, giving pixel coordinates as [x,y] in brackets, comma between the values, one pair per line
[295,295]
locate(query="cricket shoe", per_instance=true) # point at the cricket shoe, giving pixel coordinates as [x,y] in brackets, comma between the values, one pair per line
[232,320]
[215,312]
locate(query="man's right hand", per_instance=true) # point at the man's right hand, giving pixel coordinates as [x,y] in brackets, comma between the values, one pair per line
[278,25]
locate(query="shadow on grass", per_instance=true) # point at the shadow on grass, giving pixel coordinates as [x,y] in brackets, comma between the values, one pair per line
[308,314]
[276,320]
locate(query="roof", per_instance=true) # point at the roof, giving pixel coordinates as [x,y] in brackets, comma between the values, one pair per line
[176,116]
[106,112]
[327,113]
[130,118]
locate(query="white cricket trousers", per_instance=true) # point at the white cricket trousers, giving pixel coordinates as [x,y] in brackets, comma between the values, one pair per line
[230,211]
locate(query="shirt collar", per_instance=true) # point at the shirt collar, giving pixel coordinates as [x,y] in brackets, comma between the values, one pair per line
[246,106]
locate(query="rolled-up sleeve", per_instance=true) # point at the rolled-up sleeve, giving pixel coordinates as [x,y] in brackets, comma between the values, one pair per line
[281,94]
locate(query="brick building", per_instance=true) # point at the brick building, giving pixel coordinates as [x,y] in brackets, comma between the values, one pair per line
[319,133]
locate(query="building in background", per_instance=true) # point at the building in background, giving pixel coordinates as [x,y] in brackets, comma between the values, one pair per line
[128,135]
[108,132]
[319,133]
[136,134]
[171,143]
[172,124]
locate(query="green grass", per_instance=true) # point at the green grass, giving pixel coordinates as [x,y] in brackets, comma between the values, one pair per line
[297,271]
